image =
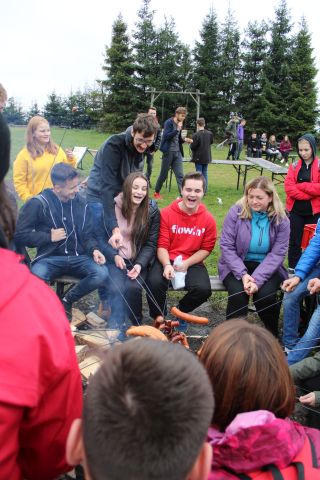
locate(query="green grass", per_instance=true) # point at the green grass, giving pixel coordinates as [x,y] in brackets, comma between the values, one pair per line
[222,179]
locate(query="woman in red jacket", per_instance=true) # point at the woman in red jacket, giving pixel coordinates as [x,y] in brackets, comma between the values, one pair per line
[302,186]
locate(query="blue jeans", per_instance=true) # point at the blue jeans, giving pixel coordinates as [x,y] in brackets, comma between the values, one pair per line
[298,349]
[125,298]
[82,267]
[95,209]
[204,170]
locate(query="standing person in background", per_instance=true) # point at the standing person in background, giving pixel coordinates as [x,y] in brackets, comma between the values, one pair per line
[171,147]
[254,243]
[40,386]
[3,98]
[231,132]
[302,187]
[240,135]
[201,149]
[285,148]
[32,167]
[152,150]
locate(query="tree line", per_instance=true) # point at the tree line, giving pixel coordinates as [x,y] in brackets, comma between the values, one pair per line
[267,74]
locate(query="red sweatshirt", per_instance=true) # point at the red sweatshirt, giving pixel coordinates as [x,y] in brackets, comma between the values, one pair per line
[183,234]
[40,384]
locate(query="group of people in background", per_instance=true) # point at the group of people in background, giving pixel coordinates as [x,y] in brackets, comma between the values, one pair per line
[116,239]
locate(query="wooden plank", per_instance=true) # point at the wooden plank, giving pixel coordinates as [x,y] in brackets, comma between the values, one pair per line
[78,317]
[95,320]
[89,366]
[81,352]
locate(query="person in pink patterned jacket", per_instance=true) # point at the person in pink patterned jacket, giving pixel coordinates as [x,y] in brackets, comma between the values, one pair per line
[254,398]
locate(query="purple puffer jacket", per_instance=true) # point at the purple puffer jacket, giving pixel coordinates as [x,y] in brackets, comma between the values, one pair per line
[255,439]
[235,242]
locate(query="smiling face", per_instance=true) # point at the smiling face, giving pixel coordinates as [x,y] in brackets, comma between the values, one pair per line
[192,194]
[305,150]
[68,190]
[140,142]
[139,191]
[42,133]
[258,200]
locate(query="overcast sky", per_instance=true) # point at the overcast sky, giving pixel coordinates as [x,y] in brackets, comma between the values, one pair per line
[59,45]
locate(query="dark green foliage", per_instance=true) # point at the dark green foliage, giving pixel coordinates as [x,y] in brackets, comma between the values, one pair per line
[55,110]
[13,112]
[120,89]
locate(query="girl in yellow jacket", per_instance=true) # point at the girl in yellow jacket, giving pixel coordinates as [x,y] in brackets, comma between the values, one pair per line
[32,167]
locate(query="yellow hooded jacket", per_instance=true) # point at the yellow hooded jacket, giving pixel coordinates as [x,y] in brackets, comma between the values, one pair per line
[31,176]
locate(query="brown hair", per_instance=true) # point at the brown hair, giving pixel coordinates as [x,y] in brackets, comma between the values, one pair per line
[275,208]
[194,176]
[181,110]
[201,122]
[146,412]
[146,124]
[34,147]
[140,226]
[248,371]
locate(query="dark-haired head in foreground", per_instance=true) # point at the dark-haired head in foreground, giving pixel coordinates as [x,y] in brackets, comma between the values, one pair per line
[146,415]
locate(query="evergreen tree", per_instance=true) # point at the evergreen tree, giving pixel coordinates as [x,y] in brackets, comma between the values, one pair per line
[276,88]
[144,44]
[55,111]
[13,112]
[302,110]
[121,93]
[206,76]
[253,55]
[168,71]
[34,110]
[229,65]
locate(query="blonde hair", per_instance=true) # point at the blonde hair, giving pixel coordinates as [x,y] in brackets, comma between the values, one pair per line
[275,208]
[35,148]
[3,93]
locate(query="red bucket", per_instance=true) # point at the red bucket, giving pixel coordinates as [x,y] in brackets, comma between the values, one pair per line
[308,232]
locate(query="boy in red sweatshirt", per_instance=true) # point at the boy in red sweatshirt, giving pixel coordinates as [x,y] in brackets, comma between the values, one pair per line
[188,229]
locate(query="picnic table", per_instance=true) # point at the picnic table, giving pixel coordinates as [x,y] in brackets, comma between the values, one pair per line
[276,170]
[240,166]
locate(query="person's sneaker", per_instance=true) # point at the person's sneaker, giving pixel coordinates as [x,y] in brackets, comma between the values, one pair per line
[67,307]
[157,196]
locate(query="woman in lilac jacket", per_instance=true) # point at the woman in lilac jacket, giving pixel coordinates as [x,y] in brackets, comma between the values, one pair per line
[254,243]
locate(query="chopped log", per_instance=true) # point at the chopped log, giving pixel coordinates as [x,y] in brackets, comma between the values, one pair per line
[81,352]
[78,317]
[95,320]
[100,339]
[89,366]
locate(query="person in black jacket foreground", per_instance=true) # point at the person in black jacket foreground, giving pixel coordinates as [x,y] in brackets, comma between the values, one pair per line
[57,224]
[138,219]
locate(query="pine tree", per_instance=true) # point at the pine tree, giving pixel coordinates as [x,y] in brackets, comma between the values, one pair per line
[302,110]
[253,55]
[144,44]
[13,112]
[206,76]
[276,89]
[34,110]
[121,93]
[229,69]
[55,111]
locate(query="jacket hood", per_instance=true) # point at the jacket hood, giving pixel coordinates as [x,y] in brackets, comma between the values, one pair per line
[14,275]
[175,207]
[311,139]
[255,439]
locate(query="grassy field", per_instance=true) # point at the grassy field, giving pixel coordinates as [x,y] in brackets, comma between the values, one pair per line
[222,179]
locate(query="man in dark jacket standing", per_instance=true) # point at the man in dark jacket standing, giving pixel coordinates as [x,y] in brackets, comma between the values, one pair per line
[171,147]
[120,155]
[57,224]
[201,149]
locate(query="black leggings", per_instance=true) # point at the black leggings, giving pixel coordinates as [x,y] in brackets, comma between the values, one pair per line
[265,299]
[197,284]
[297,223]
